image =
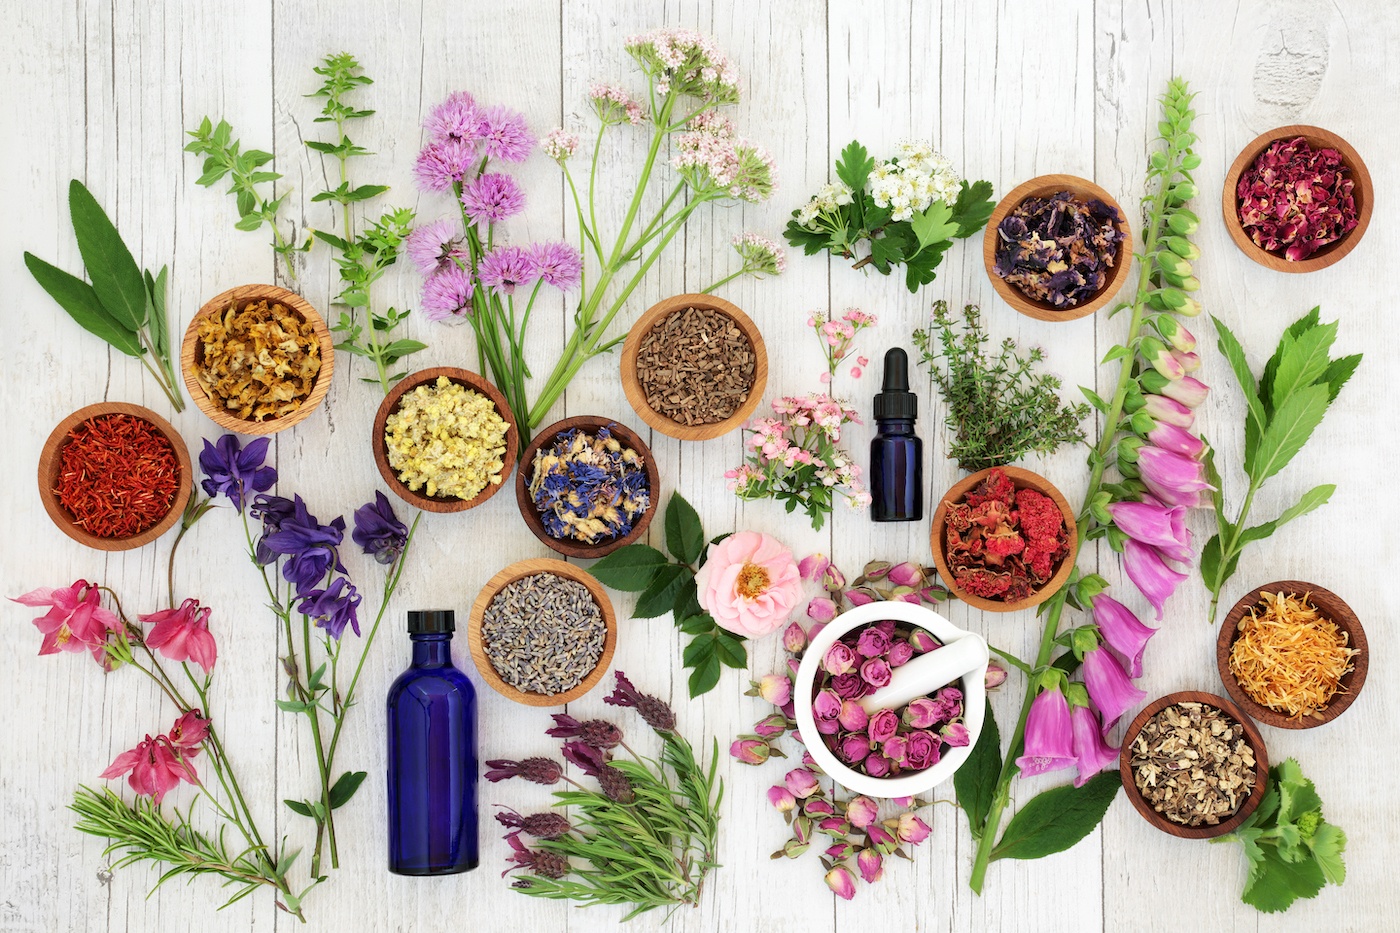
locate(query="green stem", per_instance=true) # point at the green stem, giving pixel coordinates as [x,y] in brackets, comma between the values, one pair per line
[1229,550]
[314,714]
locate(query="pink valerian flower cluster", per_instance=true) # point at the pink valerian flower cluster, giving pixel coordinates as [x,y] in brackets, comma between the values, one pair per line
[713,158]
[157,765]
[683,61]
[837,337]
[761,255]
[559,144]
[615,104]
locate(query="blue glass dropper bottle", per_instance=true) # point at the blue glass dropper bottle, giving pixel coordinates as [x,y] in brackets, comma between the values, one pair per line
[432,756]
[896,453]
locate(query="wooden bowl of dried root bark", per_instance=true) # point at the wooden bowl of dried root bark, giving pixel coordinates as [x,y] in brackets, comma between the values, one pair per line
[694,367]
[1198,797]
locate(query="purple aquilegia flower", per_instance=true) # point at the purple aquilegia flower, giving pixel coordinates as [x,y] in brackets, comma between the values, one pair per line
[272,510]
[1109,687]
[505,269]
[456,118]
[236,472]
[1091,752]
[442,164]
[1122,632]
[309,546]
[447,295]
[334,607]
[432,246]
[1163,528]
[492,198]
[378,530]
[1173,478]
[557,264]
[1150,574]
[1049,742]
[505,134]
[1177,439]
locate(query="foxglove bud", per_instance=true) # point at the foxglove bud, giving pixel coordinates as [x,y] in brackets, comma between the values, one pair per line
[1190,362]
[1160,358]
[1183,222]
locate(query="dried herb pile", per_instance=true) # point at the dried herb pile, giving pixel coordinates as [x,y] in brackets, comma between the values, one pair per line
[118,475]
[1005,543]
[1059,249]
[1296,199]
[696,366]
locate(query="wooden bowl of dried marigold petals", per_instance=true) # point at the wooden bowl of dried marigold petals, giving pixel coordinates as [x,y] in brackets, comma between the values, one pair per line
[257,359]
[1292,654]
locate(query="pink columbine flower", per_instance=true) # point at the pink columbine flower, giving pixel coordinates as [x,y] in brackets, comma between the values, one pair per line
[1049,742]
[1162,527]
[557,264]
[871,865]
[1176,439]
[995,676]
[447,295]
[1122,631]
[781,798]
[155,767]
[1169,411]
[505,135]
[801,782]
[794,638]
[862,811]
[750,751]
[433,246]
[821,609]
[183,634]
[1173,478]
[505,269]
[442,164]
[492,198]
[749,584]
[1092,754]
[189,732]
[1109,687]
[75,621]
[458,118]
[1150,574]
[842,882]
[911,829]
[775,688]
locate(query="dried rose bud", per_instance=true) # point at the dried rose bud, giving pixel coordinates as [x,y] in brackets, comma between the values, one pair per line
[995,676]
[750,751]
[881,839]
[794,849]
[906,574]
[841,882]
[876,569]
[781,798]
[862,811]
[911,829]
[839,851]
[802,782]
[771,726]
[821,609]
[818,807]
[871,865]
[921,641]
[835,826]
[813,566]
[794,639]
[802,829]
[775,688]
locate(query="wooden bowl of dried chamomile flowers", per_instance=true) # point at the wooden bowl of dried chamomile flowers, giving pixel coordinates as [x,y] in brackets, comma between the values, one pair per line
[587,486]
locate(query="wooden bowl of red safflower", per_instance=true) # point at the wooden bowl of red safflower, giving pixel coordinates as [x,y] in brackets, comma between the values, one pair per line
[114,476]
[1004,539]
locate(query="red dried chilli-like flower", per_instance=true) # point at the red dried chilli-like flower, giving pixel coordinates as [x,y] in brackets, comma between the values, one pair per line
[1004,543]
[118,475]
[1296,199]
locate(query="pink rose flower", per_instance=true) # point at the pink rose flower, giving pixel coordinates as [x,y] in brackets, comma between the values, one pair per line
[875,672]
[849,686]
[877,766]
[883,725]
[873,643]
[839,659]
[826,707]
[956,735]
[862,811]
[896,749]
[853,748]
[911,829]
[900,654]
[921,713]
[749,584]
[775,688]
[923,750]
[853,716]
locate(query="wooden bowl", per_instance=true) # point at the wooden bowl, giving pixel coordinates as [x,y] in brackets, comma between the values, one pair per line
[527,568]
[938,539]
[1362,192]
[1043,186]
[1251,735]
[535,521]
[50,462]
[1331,606]
[390,404]
[242,295]
[632,386]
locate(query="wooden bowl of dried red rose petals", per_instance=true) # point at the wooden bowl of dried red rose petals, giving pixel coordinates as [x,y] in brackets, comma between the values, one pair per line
[114,476]
[1307,234]
[1002,538]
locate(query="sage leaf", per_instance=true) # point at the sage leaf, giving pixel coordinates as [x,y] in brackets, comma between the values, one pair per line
[344,788]
[1055,820]
[630,569]
[1288,430]
[82,304]
[157,289]
[685,538]
[660,597]
[115,276]
[976,781]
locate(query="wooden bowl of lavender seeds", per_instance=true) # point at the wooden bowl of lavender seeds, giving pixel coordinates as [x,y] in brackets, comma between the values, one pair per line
[694,367]
[542,632]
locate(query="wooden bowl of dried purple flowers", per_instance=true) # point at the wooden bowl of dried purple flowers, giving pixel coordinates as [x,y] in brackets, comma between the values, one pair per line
[1277,227]
[1057,248]
[587,486]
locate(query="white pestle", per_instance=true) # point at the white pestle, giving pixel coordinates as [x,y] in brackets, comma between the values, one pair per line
[929,671]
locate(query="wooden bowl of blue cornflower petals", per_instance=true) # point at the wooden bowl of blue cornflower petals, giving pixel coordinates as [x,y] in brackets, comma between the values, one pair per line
[587,486]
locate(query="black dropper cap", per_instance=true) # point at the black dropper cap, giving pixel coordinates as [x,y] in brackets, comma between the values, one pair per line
[431,621]
[895,401]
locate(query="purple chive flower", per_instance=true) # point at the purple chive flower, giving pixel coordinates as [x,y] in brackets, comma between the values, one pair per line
[1176,439]
[447,296]
[871,865]
[505,134]
[309,546]
[862,811]
[1091,752]
[1109,687]
[840,659]
[492,198]
[378,530]
[1173,478]
[272,510]
[557,264]
[1168,411]
[334,607]
[432,246]
[923,750]
[505,269]
[442,164]
[1161,527]
[1122,631]
[456,118]
[236,472]
[1150,574]
[1049,742]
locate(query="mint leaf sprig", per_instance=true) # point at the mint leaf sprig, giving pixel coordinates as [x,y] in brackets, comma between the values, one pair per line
[224,156]
[124,305]
[669,586]
[1292,850]
[1283,408]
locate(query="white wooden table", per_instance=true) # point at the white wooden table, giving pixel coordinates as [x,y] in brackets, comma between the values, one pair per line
[104,91]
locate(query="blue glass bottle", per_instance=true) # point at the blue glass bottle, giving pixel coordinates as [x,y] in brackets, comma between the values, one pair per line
[896,453]
[432,756]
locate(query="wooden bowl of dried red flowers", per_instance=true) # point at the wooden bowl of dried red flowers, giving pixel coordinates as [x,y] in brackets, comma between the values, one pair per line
[1003,582]
[694,367]
[1337,211]
[1188,727]
[1084,284]
[402,426]
[1299,647]
[616,503]
[114,476]
[243,327]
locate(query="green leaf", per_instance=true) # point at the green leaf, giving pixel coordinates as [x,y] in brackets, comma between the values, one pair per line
[1295,330]
[293,706]
[973,208]
[660,597]
[1312,499]
[888,250]
[699,650]
[157,289]
[704,677]
[344,788]
[248,223]
[1119,352]
[1211,571]
[934,224]
[853,169]
[811,241]
[631,568]
[731,650]
[697,624]
[1327,845]
[82,304]
[919,268]
[115,276]
[1288,430]
[296,806]
[685,538]
[1055,820]
[976,781]
[1277,884]
[365,192]
[1255,418]
[1305,358]
[1337,374]
[1095,399]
